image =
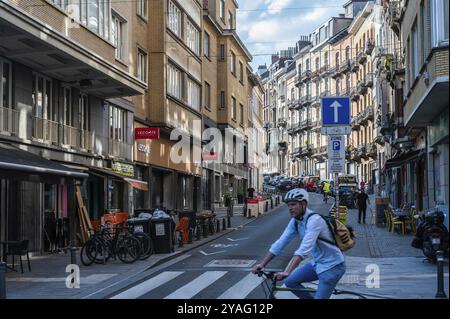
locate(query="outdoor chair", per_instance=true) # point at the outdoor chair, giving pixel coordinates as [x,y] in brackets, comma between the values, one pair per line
[411,220]
[394,221]
[19,249]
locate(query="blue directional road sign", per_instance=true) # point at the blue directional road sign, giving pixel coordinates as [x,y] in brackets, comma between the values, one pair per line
[335,111]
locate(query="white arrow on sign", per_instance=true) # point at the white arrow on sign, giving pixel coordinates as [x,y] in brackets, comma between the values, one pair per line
[237,239]
[217,252]
[336,105]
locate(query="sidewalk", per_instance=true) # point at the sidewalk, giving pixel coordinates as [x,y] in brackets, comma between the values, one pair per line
[48,276]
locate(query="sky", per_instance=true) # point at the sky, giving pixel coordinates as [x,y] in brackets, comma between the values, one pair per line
[268,26]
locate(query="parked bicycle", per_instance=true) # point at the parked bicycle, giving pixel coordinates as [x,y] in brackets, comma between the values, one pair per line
[116,242]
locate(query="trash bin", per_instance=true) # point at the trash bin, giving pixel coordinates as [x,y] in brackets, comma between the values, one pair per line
[161,233]
[140,225]
[382,204]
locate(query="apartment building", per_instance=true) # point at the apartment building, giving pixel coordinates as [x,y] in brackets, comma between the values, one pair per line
[421,156]
[66,116]
[226,103]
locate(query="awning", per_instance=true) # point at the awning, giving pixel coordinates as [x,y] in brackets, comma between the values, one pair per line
[137,184]
[13,159]
[403,158]
[133,182]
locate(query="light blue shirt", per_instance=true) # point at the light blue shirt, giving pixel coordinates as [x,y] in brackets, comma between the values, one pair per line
[325,255]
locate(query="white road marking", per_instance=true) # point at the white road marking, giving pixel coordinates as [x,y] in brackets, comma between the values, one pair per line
[209,254]
[241,289]
[195,286]
[230,239]
[148,285]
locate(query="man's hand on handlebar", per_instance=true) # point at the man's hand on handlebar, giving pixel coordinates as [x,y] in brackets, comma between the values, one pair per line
[257,268]
[279,276]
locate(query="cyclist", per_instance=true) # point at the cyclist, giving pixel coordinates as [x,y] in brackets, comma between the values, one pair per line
[328,265]
[326,191]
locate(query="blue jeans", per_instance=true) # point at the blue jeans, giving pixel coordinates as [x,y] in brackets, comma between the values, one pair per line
[306,273]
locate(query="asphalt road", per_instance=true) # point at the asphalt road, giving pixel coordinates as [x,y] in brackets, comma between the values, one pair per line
[221,269]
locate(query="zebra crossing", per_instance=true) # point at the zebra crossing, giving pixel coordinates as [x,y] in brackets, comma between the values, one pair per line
[198,284]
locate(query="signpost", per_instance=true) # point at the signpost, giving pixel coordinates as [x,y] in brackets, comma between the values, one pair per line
[336,124]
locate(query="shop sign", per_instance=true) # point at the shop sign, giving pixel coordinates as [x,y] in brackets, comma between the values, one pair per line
[143,148]
[123,169]
[146,133]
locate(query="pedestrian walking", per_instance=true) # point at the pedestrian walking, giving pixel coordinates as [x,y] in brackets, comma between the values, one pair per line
[361,200]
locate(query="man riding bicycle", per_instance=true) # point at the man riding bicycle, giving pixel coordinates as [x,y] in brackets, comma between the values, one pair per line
[326,191]
[328,265]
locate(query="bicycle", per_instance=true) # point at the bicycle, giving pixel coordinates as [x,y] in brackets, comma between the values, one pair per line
[325,197]
[272,288]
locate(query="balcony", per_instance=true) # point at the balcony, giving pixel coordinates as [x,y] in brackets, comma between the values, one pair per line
[9,121]
[267,125]
[345,67]
[324,94]
[295,152]
[355,123]
[307,100]
[305,76]
[371,150]
[44,130]
[306,150]
[120,149]
[315,74]
[324,71]
[395,16]
[354,155]
[315,101]
[282,122]
[368,80]
[362,151]
[282,98]
[361,87]
[291,129]
[335,72]
[354,65]
[354,96]
[77,138]
[316,125]
[362,57]
[291,104]
[369,47]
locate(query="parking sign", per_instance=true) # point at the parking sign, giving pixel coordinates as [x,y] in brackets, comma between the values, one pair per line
[336,154]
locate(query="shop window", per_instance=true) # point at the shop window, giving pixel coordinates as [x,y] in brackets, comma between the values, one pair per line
[115,195]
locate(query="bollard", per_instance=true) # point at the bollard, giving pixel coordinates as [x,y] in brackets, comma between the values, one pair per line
[223,224]
[249,215]
[205,229]
[271,203]
[73,255]
[198,235]
[2,280]
[217,226]
[229,221]
[440,275]
[190,236]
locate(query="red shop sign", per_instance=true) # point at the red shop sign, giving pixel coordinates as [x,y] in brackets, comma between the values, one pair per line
[146,133]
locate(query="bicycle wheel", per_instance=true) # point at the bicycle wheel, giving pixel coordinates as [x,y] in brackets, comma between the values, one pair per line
[128,249]
[146,245]
[88,252]
[103,251]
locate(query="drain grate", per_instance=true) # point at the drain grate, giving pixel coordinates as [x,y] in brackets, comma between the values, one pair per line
[237,263]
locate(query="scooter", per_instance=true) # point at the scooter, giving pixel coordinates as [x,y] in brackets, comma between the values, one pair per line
[432,235]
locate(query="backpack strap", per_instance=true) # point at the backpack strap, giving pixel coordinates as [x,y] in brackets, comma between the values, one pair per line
[318,238]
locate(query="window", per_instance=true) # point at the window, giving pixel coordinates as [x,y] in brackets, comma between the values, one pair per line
[230,20]
[338,87]
[222,99]
[174,82]
[142,8]
[41,96]
[326,58]
[95,15]
[141,65]
[415,52]
[193,94]
[5,87]
[317,64]
[233,63]
[241,108]
[233,108]
[222,9]
[337,60]
[61,3]
[241,72]
[83,104]
[206,40]
[174,19]
[347,53]
[117,123]
[439,22]
[68,110]
[222,52]
[207,95]
[423,32]
[193,37]
[117,34]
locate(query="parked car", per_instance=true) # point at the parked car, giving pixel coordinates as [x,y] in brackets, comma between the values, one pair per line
[310,183]
[285,185]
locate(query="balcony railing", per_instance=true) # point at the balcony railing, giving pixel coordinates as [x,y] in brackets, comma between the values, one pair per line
[335,72]
[354,96]
[324,71]
[45,130]
[369,47]
[305,76]
[9,121]
[362,88]
[324,94]
[282,122]
[307,100]
[345,67]
[315,74]
[368,80]
[282,98]
[355,123]
[315,100]
[77,138]
[354,65]
[120,149]
[362,57]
